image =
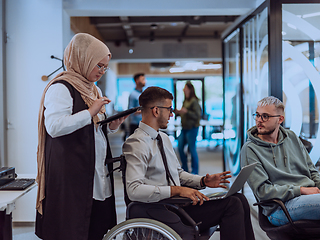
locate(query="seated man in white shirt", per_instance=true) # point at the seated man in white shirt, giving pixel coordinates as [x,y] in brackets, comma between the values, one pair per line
[148,181]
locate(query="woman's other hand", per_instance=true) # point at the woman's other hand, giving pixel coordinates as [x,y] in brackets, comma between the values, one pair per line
[116,123]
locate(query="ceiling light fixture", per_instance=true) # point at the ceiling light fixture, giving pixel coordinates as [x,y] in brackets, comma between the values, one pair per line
[193,66]
[154,26]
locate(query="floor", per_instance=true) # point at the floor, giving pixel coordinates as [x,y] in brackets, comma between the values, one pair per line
[210,162]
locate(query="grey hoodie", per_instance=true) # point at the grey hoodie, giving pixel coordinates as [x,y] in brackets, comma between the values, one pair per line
[282,168]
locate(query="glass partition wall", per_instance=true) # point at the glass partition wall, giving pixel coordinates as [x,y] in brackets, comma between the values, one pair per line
[232,102]
[301,78]
[274,50]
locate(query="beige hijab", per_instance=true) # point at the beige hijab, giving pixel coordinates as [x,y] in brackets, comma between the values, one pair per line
[81,55]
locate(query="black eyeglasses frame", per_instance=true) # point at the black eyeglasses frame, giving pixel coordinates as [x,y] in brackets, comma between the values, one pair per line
[168,108]
[264,116]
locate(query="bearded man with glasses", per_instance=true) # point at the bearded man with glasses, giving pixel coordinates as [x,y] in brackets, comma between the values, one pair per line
[284,170]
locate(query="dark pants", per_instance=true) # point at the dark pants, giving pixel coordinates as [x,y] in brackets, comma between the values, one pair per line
[189,137]
[100,221]
[232,214]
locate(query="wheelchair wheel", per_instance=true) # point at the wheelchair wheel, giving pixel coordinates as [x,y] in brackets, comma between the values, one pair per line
[142,229]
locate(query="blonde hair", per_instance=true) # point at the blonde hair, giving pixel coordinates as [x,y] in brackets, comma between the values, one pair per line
[271,100]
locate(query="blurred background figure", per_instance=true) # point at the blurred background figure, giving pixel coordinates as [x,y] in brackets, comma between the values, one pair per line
[134,119]
[190,114]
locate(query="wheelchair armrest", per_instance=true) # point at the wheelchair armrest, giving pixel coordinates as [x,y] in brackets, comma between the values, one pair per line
[279,203]
[181,201]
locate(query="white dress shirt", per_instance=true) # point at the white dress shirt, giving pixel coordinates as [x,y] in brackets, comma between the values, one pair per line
[60,121]
[145,175]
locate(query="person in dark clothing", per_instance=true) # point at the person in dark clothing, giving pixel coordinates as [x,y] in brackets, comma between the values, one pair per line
[75,193]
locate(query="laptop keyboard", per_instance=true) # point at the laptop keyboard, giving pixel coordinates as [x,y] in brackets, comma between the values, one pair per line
[18,184]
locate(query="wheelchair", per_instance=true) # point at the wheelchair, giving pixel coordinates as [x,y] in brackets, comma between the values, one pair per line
[165,219]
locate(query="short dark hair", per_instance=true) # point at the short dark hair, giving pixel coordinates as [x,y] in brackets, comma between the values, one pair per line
[136,76]
[152,95]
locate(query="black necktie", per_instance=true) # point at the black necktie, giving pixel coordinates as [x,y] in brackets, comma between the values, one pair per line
[164,158]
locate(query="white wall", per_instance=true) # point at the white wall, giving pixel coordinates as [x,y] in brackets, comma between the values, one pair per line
[2,91]
[35,33]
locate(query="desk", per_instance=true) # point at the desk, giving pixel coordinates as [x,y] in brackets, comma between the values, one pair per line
[7,205]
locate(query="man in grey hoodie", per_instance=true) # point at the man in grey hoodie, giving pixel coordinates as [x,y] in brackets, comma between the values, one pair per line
[284,168]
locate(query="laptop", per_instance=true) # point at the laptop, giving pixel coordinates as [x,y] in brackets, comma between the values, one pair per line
[237,184]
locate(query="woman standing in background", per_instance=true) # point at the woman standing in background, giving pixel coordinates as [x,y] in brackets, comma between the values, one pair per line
[75,193]
[190,120]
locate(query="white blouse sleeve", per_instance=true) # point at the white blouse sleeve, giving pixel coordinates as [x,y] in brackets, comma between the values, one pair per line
[59,119]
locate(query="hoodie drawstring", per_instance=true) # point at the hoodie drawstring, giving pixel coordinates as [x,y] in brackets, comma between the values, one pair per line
[285,157]
[274,157]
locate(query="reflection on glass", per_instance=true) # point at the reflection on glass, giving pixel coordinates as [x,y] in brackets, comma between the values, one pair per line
[214,98]
[213,110]
[254,84]
[232,95]
[301,79]
[255,65]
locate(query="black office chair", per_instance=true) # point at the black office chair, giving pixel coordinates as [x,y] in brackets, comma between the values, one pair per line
[308,145]
[168,211]
[294,230]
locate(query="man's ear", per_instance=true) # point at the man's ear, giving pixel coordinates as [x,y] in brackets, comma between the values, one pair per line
[281,119]
[155,111]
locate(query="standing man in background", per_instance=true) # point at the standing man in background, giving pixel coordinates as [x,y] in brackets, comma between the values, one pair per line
[134,119]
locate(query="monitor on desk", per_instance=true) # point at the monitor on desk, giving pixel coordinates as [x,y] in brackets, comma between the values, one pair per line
[7,174]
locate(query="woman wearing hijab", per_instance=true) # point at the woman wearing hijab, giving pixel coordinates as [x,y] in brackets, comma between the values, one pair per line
[75,193]
[190,120]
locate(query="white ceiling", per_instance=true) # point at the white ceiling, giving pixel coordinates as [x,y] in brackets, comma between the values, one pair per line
[170,29]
